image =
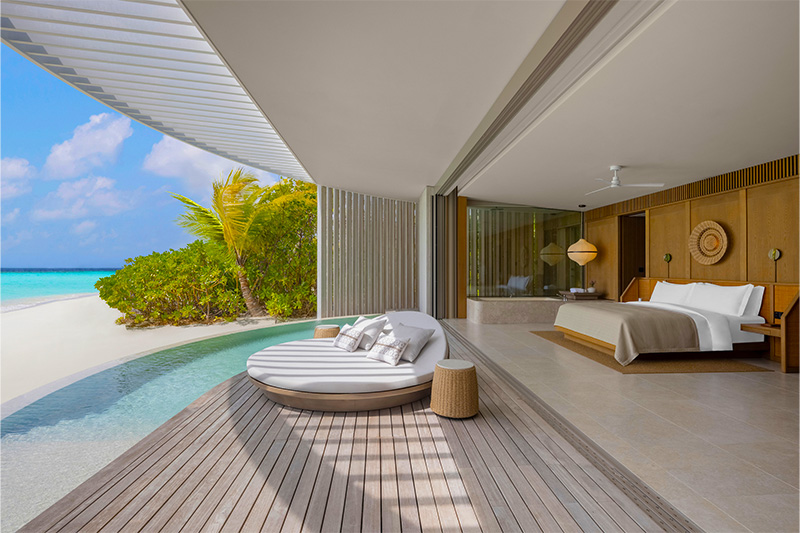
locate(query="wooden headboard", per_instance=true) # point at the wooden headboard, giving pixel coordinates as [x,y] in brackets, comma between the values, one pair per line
[777,296]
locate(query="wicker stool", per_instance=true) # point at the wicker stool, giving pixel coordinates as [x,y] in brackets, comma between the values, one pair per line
[326,331]
[454,393]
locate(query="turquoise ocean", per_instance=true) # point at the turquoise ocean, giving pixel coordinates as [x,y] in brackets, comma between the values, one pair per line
[22,287]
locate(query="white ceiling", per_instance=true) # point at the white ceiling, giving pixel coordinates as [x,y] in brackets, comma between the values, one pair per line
[379,97]
[707,88]
[374,97]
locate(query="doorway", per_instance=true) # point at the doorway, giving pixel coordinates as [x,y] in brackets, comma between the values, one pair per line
[632,248]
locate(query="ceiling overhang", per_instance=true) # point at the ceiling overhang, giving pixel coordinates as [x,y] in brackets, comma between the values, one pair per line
[148,60]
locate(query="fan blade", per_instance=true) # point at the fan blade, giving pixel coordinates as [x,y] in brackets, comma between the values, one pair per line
[601,179]
[598,190]
[643,185]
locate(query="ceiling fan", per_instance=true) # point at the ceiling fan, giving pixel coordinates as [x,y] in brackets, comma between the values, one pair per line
[614,183]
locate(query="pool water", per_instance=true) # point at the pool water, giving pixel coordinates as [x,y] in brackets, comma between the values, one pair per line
[52,445]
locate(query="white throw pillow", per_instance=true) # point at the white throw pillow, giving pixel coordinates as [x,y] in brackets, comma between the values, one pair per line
[753,307]
[348,338]
[418,338]
[388,349]
[672,293]
[725,300]
[372,327]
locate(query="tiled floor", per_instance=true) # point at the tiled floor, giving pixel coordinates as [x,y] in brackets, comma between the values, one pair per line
[723,448]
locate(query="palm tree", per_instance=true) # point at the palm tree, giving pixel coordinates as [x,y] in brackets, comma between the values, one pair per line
[236,218]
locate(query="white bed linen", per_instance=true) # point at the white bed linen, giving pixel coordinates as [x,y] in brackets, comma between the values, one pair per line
[715,331]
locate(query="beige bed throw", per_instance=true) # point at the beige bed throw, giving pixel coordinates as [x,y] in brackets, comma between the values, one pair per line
[632,329]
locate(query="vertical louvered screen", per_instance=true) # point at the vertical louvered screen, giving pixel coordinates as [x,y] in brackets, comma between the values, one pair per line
[367,261]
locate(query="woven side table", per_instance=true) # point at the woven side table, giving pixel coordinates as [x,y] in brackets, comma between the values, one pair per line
[326,331]
[454,392]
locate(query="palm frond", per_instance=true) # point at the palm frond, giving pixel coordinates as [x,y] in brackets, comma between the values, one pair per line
[199,220]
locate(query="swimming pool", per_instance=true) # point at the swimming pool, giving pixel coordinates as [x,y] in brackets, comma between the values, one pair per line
[54,444]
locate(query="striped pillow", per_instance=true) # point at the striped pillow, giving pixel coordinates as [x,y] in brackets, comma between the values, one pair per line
[348,338]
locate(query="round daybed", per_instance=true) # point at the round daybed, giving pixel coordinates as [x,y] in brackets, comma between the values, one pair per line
[312,374]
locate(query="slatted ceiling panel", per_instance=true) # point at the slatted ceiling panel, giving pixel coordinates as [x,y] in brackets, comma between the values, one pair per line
[147,60]
[367,250]
[747,177]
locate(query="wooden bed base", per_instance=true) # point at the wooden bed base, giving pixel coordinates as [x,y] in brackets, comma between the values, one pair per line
[742,348]
[345,402]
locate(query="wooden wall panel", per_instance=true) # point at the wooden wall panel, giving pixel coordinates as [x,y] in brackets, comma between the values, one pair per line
[724,210]
[669,233]
[604,269]
[772,216]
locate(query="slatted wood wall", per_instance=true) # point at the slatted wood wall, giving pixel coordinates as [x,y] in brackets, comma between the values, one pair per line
[367,254]
[763,173]
[501,243]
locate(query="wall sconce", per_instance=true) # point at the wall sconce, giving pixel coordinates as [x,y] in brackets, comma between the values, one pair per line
[667,260]
[775,254]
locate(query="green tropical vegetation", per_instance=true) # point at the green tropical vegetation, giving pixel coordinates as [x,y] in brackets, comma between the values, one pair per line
[257,254]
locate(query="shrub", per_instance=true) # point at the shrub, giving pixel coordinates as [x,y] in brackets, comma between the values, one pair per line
[196,283]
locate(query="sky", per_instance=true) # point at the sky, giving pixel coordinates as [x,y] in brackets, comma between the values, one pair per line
[83,186]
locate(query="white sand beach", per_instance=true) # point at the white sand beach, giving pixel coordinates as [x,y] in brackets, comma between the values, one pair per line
[45,347]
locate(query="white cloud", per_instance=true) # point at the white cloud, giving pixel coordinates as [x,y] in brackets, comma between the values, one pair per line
[93,144]
[17,238]
[11,216]
[16,168]
[85,197]
[15,173]
[172,158]
[84,227]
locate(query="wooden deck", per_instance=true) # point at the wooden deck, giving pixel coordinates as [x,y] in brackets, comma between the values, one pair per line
[235,461]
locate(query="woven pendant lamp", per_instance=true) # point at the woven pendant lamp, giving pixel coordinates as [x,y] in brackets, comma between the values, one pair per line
[582,252]
[552,254]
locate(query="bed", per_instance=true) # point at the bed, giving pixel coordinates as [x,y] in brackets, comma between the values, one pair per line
[314,374]
[683,317]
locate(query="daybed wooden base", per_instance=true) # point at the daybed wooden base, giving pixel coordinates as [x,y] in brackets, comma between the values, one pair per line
[345,402]
[744,349]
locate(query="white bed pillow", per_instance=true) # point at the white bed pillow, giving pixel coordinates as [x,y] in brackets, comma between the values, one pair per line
[725,300]
[372,328]
[417,339]
[388,349]
[753,307]
[348,338]
[672,293]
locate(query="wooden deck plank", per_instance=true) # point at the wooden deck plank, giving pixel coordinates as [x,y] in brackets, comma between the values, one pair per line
[334,511]
[295,512]
[322,486]
[165,502]
[390,497]
[441,493]
[371,511]
[235,461]
[354,499]
[428,517]
[200,505]
[466,514]
[225,497]
[407,498]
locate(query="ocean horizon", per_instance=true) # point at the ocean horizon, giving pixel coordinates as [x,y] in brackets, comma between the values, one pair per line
[25,287]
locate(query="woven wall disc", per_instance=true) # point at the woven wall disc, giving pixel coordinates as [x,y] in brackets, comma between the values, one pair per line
[708,242]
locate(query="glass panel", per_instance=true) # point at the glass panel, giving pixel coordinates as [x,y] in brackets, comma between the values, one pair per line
[520,251]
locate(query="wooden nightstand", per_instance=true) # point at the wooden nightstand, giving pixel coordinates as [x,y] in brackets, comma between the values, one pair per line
[778,343]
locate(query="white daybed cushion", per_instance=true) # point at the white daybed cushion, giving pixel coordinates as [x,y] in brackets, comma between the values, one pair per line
[314,365]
